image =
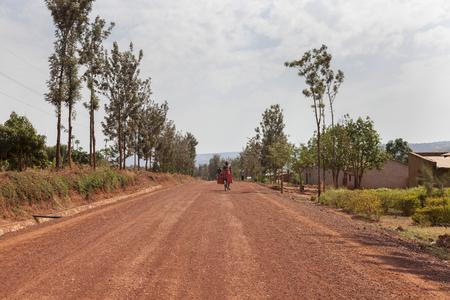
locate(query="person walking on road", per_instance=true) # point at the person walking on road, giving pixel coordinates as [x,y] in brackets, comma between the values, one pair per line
[227,176]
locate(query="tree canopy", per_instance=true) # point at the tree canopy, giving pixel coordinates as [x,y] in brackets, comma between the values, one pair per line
[20,145]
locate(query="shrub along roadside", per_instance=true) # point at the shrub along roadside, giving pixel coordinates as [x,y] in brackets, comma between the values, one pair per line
[376,202]
[433,215]
[39,190]
[106,180]
[361,202]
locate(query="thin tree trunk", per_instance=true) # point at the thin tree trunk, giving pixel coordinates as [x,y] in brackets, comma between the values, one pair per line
[281,178]
[119,136]
[139,161]
[324,177]
[94,151]
[59,108]
[318,160]
[58,136]
[69,141]
[124,155]
[91,162]
[91,128]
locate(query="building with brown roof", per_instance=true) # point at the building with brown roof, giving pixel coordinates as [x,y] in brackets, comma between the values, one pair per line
[393,174]
[437,162]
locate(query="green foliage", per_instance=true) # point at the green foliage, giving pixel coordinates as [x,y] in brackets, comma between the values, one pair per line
[175,152]
[92,54]
[279,153]
[365,147]
[398,150]
[31,188]
[385,201]
[272,130]
[106,180]
[405,201]
[367,204]
[407,205]
[364,202]
[315,68]
[213,166]
[47,189]
[20,145]
[251,159]
[69,18]
[433,215]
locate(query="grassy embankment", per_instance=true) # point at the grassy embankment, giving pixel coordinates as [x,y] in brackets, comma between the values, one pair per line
[25,193]
[411,212]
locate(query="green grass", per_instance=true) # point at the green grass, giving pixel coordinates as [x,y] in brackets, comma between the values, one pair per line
[53,189]
[30,188]
[105,180]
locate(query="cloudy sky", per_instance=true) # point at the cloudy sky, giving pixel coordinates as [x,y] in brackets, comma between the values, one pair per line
[219,64]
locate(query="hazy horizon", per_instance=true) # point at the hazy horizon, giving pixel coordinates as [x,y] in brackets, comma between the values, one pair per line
[224,62]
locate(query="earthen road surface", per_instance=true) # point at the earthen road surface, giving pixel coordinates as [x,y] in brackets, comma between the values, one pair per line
[197,242]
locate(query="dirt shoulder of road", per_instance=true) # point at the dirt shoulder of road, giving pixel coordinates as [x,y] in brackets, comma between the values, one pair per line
[418,238]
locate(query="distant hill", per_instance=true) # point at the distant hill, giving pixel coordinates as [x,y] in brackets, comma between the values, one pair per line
[443,146]
[431,147]
[204,158]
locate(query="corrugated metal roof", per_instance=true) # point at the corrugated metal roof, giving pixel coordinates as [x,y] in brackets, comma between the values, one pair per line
[441,161]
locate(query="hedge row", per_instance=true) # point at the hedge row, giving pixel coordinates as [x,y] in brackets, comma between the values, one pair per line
[18,189]
[376,202]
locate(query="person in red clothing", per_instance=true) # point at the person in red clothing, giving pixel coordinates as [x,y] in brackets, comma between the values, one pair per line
[227,176]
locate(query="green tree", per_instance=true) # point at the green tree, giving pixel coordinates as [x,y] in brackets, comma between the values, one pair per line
[272,129]
[333,83]
[92,56]
[213,165]
[165,150]
[120,86]
[69,18]
[20,144]
[302,158]
[279,155]
[335,142]
[73,84]
[364,152]
[314,66]
[251,158]
[153,121]
[398,150]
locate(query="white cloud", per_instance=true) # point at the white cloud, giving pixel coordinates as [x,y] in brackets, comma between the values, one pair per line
[436,38]
[212,59]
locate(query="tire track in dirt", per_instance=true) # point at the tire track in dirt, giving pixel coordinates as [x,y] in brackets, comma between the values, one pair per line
[326,262]
[199,242]
[103,239]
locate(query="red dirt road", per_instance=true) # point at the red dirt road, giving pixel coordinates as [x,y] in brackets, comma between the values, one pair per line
[196,241]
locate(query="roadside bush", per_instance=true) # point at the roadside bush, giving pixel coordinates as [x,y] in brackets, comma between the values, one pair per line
[338,198]
[367,204]
[438,201]
[364,202]
[386,198]
[433,215]
[106,180]
[31,187]
[398,200]
[407,205]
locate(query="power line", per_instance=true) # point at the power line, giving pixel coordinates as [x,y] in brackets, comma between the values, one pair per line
[41,110]
[25,103]
[24,60]
[21,84]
